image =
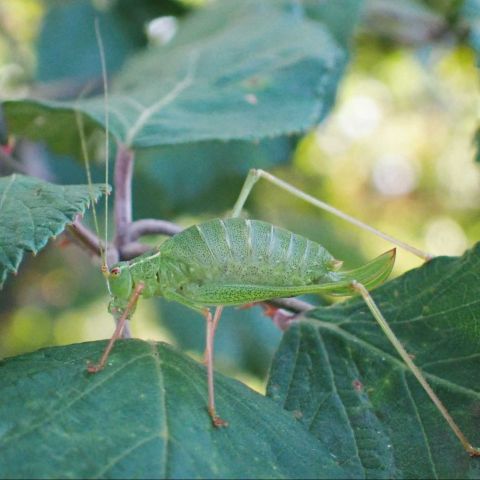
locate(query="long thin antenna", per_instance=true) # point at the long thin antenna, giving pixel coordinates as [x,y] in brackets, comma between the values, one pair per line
[86,161]
[101,50]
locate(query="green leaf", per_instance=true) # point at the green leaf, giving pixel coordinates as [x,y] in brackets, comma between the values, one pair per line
[340,17]
[68,32]
[144,416]
[344,382]
[236,71]
[182,178]
[32,212]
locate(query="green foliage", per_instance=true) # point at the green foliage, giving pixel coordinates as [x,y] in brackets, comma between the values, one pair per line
[235,89]
[32,212]
[236,73]
[143,417]
[222,78]
[342,379]
[355,410]
[164,173]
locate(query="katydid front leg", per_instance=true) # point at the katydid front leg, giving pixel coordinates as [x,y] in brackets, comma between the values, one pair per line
[211,323]
[94,368]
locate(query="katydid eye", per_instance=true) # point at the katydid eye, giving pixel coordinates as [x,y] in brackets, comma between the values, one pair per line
[115,272]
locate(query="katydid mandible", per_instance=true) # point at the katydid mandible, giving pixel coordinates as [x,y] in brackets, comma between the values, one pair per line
[236,262]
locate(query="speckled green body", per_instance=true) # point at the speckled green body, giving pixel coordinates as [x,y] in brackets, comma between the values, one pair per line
[236,261]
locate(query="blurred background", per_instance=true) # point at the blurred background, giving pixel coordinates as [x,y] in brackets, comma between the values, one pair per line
[397,151]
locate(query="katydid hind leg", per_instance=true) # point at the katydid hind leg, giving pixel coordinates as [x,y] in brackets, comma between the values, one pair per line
[255,174]
[211,323]
[377,314]
[122,321]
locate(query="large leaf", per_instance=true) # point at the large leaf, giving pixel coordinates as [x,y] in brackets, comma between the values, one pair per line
[342,379]
[32,212]
[144,416]
[236,71]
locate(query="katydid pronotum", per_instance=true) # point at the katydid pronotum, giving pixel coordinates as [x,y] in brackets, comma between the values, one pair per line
[236,261]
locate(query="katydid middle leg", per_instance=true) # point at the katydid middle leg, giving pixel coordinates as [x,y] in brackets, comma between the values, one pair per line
[216,319]
[211,324]
[255,174]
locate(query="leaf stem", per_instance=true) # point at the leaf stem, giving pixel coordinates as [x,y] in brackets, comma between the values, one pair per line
[123,195]
[151,226]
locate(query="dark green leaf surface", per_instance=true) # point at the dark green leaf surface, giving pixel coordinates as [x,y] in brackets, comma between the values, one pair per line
[236,71]
[144,416]
[32,212]
[342,379]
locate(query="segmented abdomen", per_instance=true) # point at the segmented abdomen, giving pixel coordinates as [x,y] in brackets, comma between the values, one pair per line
[247,252]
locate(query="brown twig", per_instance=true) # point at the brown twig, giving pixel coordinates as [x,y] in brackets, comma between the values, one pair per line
[292,304]
[134,249]
[10,162]
[123,195]
[84,237]
[151,226]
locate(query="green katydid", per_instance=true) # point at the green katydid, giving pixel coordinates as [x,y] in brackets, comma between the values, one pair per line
[235,261]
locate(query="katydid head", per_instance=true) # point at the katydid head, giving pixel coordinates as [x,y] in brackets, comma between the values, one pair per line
[120,280]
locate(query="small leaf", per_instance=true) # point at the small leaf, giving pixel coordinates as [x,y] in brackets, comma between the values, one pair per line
[32,212]
[348,387]
[144,416]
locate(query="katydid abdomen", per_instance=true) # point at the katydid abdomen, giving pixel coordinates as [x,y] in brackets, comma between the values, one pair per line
[237,261]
